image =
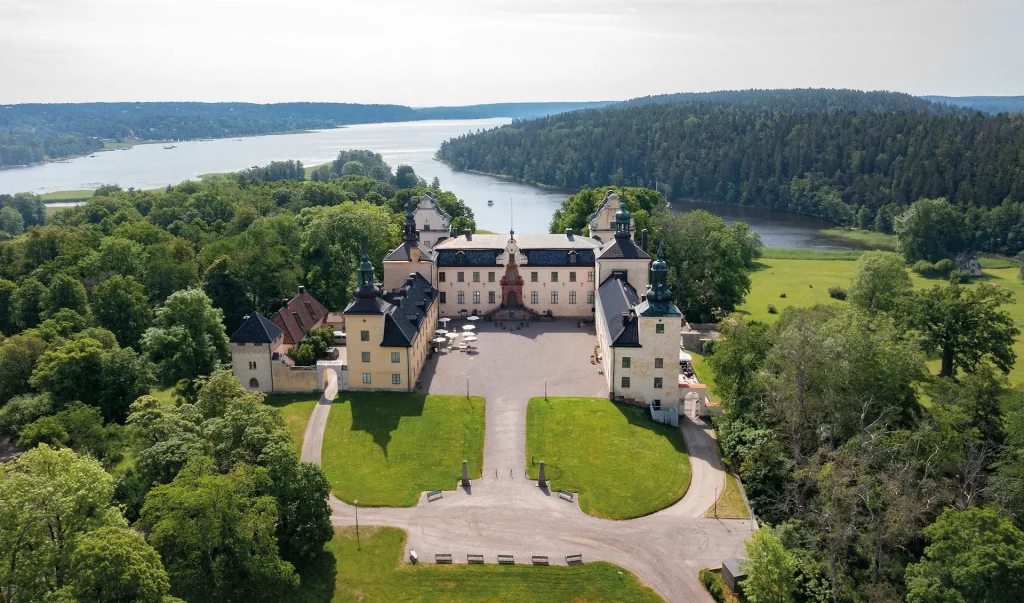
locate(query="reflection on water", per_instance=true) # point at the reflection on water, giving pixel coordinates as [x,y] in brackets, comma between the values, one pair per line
[525,207]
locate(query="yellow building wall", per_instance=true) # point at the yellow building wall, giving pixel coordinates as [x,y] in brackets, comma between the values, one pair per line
[259,353]
[395,273]
[298,379]
[638,272]
[380,368]
[544,286]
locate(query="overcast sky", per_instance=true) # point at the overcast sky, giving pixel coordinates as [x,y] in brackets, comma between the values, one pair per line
[431,52]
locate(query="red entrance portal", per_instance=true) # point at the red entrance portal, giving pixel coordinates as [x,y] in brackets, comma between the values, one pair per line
[511,287]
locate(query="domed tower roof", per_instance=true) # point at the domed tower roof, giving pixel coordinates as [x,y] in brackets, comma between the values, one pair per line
[658,290]
[622,222]
[366,289]
[409,229]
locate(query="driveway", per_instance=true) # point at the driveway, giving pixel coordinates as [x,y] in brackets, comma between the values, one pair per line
[505,513]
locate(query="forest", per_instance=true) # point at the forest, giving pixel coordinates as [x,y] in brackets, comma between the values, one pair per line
[858,162]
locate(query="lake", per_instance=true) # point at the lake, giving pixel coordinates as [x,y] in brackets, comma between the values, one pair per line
[148,166]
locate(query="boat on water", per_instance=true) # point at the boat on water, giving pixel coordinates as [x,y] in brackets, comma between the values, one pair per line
[169,147]
[490,202]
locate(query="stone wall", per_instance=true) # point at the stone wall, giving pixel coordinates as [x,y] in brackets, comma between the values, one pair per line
[295,379]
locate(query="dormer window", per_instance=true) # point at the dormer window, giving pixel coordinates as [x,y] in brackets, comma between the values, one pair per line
[460,256]
[426,226]
[574,256]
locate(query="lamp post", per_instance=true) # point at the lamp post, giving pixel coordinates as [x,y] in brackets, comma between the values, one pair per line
[359,545]
[716,502]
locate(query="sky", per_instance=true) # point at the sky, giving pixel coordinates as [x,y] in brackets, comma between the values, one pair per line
[457,52]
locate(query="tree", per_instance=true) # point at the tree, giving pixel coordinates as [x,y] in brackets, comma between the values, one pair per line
[65,292]
[121,306]
[223,283]
[27,303]
[967,326]
[11,222]
[435,183]
[22,410]
[405,177]
[215,533]
[737,359]
[353,168]
[930,229]
[880,282]
[18,356]
[7,289]
[78,427]
[706,270]
[770,570]
[115,565]
[188,339]
[973,555]
[170,267]
[48,500]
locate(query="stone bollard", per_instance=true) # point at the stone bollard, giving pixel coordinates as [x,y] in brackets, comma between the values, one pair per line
[465,473]
[541,482]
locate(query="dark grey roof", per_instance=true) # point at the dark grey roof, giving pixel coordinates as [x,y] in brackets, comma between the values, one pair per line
[401,254]
[617,301]
[557,257]
[654,309]
[472,257]
[733,566]
[256,329]
[410,304]
[367,305]
[524,241]
[623,249]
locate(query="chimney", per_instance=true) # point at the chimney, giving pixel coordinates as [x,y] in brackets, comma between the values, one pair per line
[625,318]
[284,303]
[469,234]
[302,289]
[409,280]
[568,233]
[643,240]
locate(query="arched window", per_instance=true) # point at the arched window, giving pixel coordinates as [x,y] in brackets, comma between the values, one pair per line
[254,383]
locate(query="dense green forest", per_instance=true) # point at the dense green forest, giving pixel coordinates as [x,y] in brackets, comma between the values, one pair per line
[820,99]
[855,167]
[196,494]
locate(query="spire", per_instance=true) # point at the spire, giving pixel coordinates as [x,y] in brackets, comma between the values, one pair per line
[409,230]
[511,219]
[366,287]
[658,290]
[622,221]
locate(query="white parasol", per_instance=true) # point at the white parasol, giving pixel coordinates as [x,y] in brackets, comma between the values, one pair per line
[440,339]
[473,318]
[443,320]
[468,327]
[470,338]
[452,335]
[440,332]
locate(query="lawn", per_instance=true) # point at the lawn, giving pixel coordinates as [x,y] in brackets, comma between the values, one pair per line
[164,395]
[296,409]
[806,282]
[704,373]
[384,449]
[376,573]
[77,195]
[864,238]
[621,463]
[731,504]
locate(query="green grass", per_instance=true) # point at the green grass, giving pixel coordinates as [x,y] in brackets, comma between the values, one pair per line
[384,449]
[620,462]
[863,238]
[296,409]
[788,253]
[164,396]
[76,195]
[704,373]
[482,231]
[377,573]
[731,504]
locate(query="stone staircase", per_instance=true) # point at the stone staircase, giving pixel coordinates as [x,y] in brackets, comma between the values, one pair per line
[520,313]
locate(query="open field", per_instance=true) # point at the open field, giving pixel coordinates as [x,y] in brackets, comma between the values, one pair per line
[384,449]
[67,195]
[863,238]
[806,282]
[376,572]
[621,463]
[296,409]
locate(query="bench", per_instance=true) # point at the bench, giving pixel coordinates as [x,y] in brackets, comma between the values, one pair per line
[574,559]
[474,558]
[565,495]
[539,559]
[442,558]
[434,495]
[506,560]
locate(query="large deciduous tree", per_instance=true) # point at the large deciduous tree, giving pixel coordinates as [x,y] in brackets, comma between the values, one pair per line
[121,306]
[880,282]
[65,292]
[18,356]
[770,570]
[188,340]
[930,229]
[115,565]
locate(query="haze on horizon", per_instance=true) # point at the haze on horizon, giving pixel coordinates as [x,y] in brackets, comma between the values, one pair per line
[456,52]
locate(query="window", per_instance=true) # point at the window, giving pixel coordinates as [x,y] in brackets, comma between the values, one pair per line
[659,363]
[476,277]
[573,257]
[366,356]
[396,379]
[554,297]
[462,297]
[490,277]
[490,297]
[444,298]
[590,277]
[254,383]
[441,276]
[533,277]
[461,277]
[554,276]
[364,336]
[657,383]
[572,297]
[626,362]
[366,378]
[533,298]
[396,357]
[572,276]
[511,258]
[476,297]
[590,297]
[625,383]
[659,328]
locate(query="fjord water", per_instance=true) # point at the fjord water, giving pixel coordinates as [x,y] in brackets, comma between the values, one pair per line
[148,166]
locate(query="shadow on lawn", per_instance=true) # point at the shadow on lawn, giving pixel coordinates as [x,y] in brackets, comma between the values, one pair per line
[640,417]
[318,579]
[379,414]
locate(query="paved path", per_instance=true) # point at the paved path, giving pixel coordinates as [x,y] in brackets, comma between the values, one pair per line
[504,513]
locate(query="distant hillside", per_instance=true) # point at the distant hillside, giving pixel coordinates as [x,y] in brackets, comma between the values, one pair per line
[801,99]
[988,104]
[513,110]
